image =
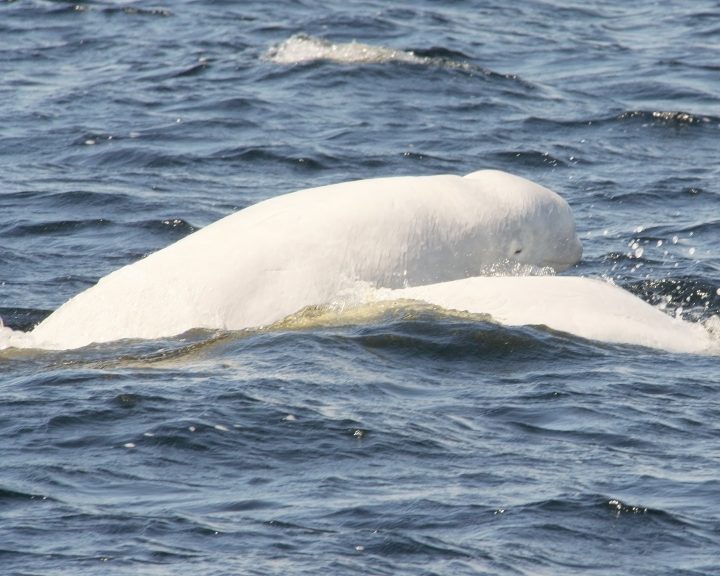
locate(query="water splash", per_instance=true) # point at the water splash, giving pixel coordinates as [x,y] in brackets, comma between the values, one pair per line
[301,48]
[305,49]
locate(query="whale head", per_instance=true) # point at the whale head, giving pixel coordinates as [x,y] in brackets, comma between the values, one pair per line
[540,229]
[548,239]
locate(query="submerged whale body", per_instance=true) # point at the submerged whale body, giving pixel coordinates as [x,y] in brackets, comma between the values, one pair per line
[261,264]
[585,307]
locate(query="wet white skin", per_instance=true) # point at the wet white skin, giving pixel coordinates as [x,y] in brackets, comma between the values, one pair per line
[262,263]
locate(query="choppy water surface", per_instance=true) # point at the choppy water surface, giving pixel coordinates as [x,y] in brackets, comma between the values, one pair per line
[413,441]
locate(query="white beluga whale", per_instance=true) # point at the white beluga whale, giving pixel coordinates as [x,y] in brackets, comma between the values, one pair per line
[259,265]
[585,307]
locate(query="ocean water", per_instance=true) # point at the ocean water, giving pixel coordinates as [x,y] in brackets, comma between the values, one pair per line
[415,441]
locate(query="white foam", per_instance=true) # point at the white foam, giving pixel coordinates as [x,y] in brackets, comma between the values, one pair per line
[16,339]
[301,48]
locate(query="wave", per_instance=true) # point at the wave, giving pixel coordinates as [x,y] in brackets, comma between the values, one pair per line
[666,118]
[58,227]
[22,319]
[669,117]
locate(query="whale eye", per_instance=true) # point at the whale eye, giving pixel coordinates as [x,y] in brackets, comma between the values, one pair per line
[515,248]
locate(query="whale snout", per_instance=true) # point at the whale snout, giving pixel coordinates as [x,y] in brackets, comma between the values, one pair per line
[577,251]
[558,251]
[568,255]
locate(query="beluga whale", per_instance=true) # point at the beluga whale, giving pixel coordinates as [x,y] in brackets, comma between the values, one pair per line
[267,261]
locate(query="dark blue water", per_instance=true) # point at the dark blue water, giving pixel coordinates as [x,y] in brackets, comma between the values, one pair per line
[412,443]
